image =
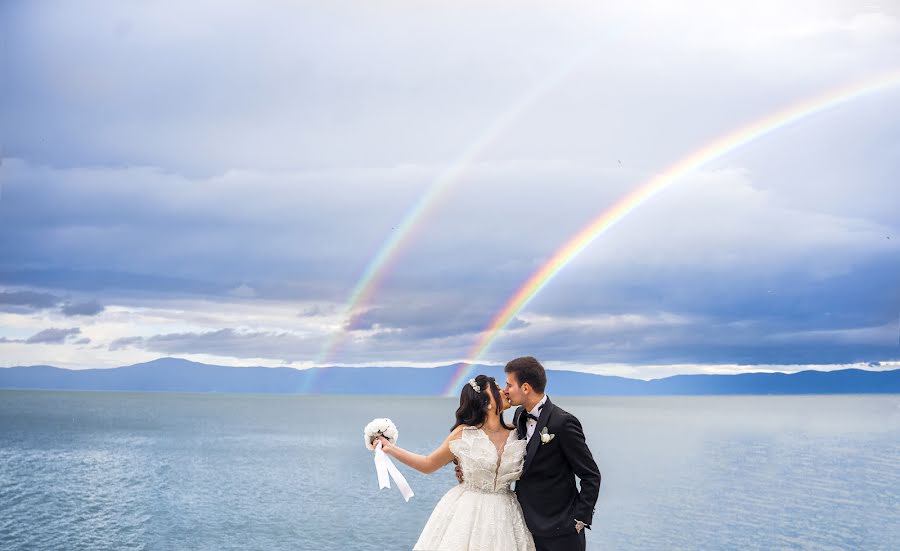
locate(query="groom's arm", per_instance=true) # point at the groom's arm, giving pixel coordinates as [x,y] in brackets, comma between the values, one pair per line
[575,448]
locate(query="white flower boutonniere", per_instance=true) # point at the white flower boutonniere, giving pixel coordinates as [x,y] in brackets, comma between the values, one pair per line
[546,436]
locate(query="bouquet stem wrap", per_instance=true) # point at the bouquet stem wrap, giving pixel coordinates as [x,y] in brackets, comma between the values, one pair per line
[386,470]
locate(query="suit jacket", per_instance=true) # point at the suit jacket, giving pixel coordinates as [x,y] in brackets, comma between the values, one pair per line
[546,491]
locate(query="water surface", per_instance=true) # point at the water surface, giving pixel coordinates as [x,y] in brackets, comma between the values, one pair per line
[92,470]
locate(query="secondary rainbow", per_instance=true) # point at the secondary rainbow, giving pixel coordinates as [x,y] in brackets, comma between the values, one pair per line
[609,217]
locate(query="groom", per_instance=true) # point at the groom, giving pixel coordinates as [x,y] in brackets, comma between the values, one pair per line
[556,512]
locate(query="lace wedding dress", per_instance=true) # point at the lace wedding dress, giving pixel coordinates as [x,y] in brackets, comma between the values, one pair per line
[482,513]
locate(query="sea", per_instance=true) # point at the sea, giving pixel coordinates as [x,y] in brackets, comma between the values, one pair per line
[117,470]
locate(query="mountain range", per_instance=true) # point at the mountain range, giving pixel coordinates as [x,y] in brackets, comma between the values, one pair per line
[179,375]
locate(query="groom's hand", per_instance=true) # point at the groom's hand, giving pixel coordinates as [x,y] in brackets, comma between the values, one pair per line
[459,475]
[579,526]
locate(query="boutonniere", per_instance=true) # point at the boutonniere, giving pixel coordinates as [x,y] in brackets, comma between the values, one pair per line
[546,436]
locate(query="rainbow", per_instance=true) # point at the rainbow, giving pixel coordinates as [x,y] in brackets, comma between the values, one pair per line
[717,148]
[386,257]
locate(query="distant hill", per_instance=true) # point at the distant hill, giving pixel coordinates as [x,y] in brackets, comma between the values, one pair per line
[178,375]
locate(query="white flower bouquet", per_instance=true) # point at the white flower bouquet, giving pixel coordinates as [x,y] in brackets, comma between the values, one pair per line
[384,468]
[380,427]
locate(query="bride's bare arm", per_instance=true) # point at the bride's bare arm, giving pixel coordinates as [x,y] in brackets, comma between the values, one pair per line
[423,463]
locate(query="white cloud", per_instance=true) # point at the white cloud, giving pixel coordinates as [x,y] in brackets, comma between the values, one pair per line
[648,372]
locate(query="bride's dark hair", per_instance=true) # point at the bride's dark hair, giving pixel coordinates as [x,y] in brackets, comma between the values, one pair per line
[473,405]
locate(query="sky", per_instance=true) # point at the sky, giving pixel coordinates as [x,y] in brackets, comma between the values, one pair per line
[212,181]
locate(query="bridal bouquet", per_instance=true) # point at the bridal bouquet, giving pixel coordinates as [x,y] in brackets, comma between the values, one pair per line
[380,427]
[384,467]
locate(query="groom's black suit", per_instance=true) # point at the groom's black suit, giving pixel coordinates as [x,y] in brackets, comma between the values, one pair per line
[547,492]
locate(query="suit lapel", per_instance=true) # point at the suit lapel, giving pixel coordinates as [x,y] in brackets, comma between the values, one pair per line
[535,441]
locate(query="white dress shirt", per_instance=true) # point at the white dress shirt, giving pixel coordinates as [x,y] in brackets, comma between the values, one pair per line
[532,424]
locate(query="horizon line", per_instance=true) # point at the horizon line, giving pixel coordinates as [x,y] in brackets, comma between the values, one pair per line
[774,369]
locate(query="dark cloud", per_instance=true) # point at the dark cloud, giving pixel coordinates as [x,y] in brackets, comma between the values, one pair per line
[423,320]
[52,336]
[439,317]
[225,342]
[28,300]
[24,301]
[665,339]
[94,280]
[89,308]
[125,342]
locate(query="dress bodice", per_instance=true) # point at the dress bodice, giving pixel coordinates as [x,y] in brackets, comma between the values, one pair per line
[482,469]
[481,514]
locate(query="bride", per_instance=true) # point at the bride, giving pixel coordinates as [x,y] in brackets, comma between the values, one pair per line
[482,513]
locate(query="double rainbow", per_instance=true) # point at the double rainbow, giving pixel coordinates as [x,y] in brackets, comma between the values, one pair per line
[713,150]
[400,239]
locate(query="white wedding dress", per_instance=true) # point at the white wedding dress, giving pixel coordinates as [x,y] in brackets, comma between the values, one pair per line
[482,513]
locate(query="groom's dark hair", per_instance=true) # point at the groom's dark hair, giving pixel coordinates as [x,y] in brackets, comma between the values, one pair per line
[528,370]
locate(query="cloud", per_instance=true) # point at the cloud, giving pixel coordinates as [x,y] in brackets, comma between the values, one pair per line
[90,308]
[693,341]
[719,247]
[314,311]
[52,336]
[225,342]
[442,317]
[320,136]
[374,102]
[125,342]
[243,291]
[28,300]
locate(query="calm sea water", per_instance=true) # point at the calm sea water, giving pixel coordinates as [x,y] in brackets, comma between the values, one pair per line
[84,470]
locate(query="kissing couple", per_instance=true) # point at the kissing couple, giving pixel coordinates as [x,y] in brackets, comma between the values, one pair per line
[542,453]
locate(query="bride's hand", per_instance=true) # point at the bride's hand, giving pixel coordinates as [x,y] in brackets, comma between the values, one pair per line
[385,443]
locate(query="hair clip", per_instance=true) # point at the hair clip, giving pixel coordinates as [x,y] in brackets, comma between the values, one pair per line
[474,385]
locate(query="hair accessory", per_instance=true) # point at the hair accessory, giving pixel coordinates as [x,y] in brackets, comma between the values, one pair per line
[474,385]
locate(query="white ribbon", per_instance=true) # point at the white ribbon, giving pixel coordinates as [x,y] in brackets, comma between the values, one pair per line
[385,467]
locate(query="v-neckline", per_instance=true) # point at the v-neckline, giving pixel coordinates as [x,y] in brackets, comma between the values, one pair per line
[498,451]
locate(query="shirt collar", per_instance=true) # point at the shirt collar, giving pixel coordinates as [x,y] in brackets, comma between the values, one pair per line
[537,408]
